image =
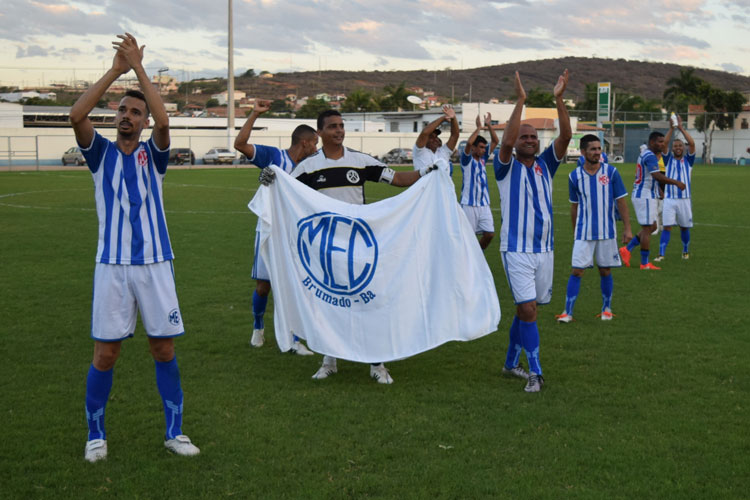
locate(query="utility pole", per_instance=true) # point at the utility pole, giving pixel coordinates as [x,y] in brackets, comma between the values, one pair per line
[230,82]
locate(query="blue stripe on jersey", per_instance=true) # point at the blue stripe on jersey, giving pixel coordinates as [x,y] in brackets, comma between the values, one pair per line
[596,195]
[130,176]
[161,221]
[121,217]
[109,200]
[680,170]
[514,206]
[154,255]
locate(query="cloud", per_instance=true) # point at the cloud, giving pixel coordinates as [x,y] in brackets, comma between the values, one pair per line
[732,68]
[22,20]
[30,51]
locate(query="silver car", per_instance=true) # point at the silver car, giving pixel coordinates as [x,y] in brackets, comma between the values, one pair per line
[73,156]
[218,155]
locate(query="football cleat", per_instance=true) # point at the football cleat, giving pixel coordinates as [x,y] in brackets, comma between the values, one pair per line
[327,369]
[659,258]
[564,317]
[258,338]
[96,450]
[380,374]
[685,255]
[606,315]
[535,383]
[181,445]
[625,256]
[650,267]
[300,349]
[516,371]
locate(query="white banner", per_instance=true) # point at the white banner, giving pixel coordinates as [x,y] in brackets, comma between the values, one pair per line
[374,282]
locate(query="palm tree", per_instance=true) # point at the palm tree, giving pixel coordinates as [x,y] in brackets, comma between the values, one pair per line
[683,90]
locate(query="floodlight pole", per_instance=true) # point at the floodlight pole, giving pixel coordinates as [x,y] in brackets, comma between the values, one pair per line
[230,81]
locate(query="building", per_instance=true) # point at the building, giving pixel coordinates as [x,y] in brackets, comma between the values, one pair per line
[223,97]
[27,94]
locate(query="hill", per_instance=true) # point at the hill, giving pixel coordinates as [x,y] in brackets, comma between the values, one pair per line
[647,79]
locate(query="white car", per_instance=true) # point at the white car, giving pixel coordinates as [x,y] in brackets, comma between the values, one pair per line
[218,155]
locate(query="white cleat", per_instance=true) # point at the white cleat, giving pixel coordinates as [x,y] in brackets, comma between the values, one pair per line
[381,374]
[300,349]
[659,258]
[96,450]
[564,318]
[516,371]
[327,369]
[607,315]
[535,383]
[181,445]
[258,338]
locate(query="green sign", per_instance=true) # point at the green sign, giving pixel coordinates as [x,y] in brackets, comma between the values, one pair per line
[603,101]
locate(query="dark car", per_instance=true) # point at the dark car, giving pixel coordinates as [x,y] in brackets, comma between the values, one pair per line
[180,156]
[398,156]
[73,155]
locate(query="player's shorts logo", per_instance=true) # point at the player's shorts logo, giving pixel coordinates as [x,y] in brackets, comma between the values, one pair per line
[142,158]
[603,180]
[352,176]
[340,253]
[174,317]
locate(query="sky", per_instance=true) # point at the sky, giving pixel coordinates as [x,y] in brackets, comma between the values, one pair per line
[57,41]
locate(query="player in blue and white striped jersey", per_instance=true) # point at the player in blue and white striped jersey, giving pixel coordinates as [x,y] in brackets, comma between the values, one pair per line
[134,257]
[645,195]
[677,205]
[594,190]
[475,195]
[304,143]
[526,243]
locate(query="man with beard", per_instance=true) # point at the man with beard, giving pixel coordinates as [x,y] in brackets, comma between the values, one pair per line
[134,256]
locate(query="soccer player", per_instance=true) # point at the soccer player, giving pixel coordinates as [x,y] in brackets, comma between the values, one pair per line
[645,194]
[134,256]
[594,190]
[429,148]
[341,173]
[475,195]
[526,238]
[677,205]
[304,143]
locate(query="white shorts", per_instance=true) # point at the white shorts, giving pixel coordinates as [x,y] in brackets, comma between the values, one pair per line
[678,211]
[605,252]
[529,275]
[480,218]
[260,271]
[645,210]
[120,291]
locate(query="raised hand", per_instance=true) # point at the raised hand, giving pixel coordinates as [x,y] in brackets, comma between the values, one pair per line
[488,120]
[129,49]
[562,83]
[450,113]
[479,123]
[261,106]
[520,92]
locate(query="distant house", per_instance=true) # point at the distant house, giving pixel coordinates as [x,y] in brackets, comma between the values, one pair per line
[223,97]
[265,74]
[325,97]
[165,83]
[291,97]
[27,94]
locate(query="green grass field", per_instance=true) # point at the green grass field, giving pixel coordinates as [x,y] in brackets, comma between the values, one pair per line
[651,405]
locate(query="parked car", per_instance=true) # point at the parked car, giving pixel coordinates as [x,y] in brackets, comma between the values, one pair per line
[218,155]
[398,155]
[180,156]
[73,155]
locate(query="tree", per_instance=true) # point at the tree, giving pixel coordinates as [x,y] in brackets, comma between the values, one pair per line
[394,98]
[249,73]
[312,108]
[587,105]
[212,103]
[683,90]
[359,100]
[720,108]
[279,106]
[538,98]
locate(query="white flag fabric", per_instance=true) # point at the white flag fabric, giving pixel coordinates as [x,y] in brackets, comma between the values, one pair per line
[378,282]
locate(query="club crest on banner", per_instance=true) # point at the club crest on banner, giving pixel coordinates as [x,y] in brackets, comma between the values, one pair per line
[340,255]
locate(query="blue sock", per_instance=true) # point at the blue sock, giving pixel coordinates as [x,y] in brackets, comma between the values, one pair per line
[664,241]
[530,341]
[168,383]
[98,385]
[514,346]
[607,285]
[259,309]
[644,257]
[574,286]
[633,243]
[685,236]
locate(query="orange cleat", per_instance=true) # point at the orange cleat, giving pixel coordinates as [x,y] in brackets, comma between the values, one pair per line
[625,256]
[650,267]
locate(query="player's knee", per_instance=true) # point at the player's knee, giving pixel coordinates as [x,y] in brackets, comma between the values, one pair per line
[527,311]
[263,287]
[105,355]
[162,350]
